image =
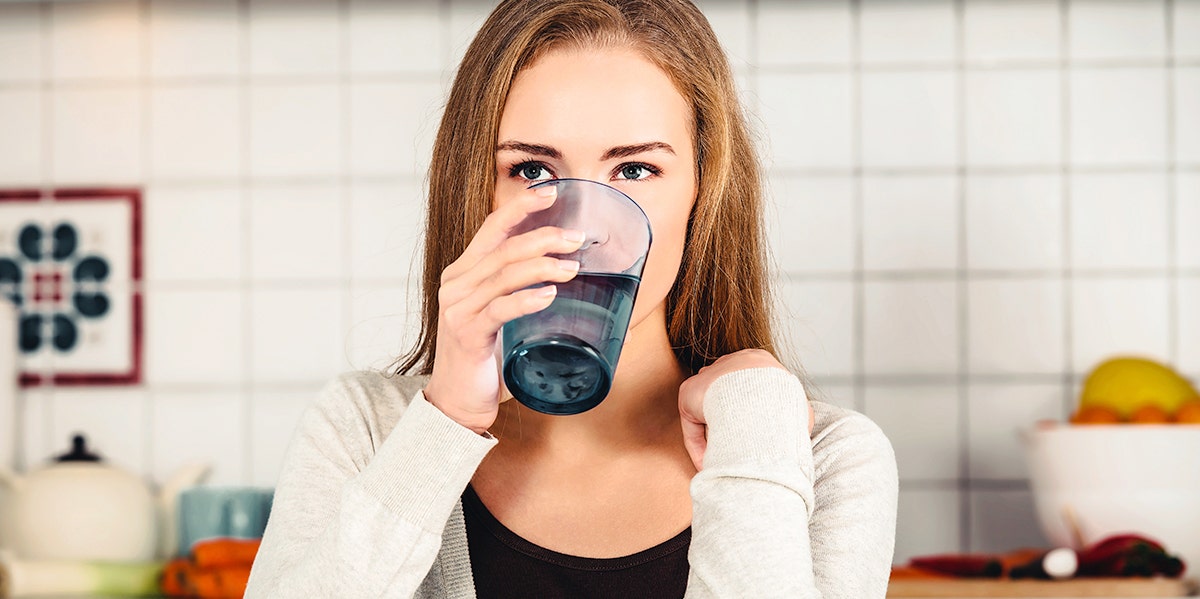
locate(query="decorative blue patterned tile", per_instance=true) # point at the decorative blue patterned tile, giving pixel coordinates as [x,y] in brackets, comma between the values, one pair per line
[69,262]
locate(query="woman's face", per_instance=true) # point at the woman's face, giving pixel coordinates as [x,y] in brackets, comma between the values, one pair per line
[610,116]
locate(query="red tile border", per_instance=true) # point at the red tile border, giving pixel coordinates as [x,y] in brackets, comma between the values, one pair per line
[134,196]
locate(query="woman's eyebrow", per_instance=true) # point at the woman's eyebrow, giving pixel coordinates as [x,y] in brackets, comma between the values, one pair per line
[623,151]
[535,149]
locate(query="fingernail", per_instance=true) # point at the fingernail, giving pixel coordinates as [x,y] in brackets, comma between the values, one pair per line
[571,265]
[573,235]
[547,291]
[546,191]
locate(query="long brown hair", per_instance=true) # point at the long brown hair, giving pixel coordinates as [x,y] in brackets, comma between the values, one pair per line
[720,302]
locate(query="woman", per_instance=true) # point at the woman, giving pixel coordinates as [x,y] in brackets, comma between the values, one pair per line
[705,471]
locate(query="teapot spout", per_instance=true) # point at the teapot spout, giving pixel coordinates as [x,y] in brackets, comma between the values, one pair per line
[189,475]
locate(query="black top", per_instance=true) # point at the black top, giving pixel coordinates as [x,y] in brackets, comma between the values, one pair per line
[506,566]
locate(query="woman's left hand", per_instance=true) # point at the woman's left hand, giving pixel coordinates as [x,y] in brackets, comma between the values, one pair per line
[693,390]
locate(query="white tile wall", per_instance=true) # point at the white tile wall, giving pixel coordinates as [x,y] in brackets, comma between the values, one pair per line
[909,119]
[922,423]
[811,223]
[915,31]
[274,417]
[971,202]
[1118,116]
[386,224]
[194,234]
[1187,115]
[296,232]
[910,223]
[1000,521]
[294,37]
[911,327]
[195,132]
[295,130]
[185,424]
[21,140]
[1015,326]
[1118,315]
[808,117]
[384,324]
[1186,21]
[396,37]
[998,415]
[194,38]
[820,320]
[21,42]
[1187,211]
[928,521]
[112,420]
[296,334]
[1013,118]
[1014,222]
[730,19]
[92,40]
[996,31]
[1117,221]
[1116,29]
[195,336]
[1188,300]
[96,135]
[392,126]
[815,32]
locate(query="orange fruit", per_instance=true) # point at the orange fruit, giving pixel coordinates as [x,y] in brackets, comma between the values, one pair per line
[1150,414]
[1096,415]
[1189,412]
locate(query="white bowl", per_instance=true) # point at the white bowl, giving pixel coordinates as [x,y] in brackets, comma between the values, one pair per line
[1116,479]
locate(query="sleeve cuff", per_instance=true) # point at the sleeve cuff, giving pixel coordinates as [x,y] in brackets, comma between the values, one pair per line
[424,465]
[757,416]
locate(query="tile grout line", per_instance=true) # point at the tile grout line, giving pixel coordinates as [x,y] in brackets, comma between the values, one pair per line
[144,121]
[247,287]
[856,212]
[1066,208]
[961,284]
[345,192]
[1173,324]
[46,89]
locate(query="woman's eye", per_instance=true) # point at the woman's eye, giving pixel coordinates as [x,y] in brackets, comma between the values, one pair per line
[635,171]
[532,171]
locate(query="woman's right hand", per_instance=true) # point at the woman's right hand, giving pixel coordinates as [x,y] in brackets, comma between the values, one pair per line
[482,290]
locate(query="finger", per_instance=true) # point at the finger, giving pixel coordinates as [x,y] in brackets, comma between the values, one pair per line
[695,440]
[497,226]
[539,242]
[515,277]
[486,325]
[812,418]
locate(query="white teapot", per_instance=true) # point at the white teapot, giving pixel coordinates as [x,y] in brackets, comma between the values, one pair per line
[79,508]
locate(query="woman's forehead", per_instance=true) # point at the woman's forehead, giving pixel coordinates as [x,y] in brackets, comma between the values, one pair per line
[595,99]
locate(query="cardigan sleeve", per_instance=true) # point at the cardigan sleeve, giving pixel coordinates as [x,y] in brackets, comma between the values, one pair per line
[777,513]
[348,521]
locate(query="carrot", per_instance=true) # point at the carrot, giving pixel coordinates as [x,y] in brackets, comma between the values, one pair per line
[962,565]
[219,553]
[911,573]
[173,580]
[220,583]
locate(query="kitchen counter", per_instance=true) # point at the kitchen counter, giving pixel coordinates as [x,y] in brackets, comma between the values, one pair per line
[1116,588]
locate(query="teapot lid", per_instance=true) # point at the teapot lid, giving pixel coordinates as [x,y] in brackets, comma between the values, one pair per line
[79,452]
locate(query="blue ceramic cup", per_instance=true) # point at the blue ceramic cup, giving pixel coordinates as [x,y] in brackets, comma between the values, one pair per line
[222,512]
[561,360]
